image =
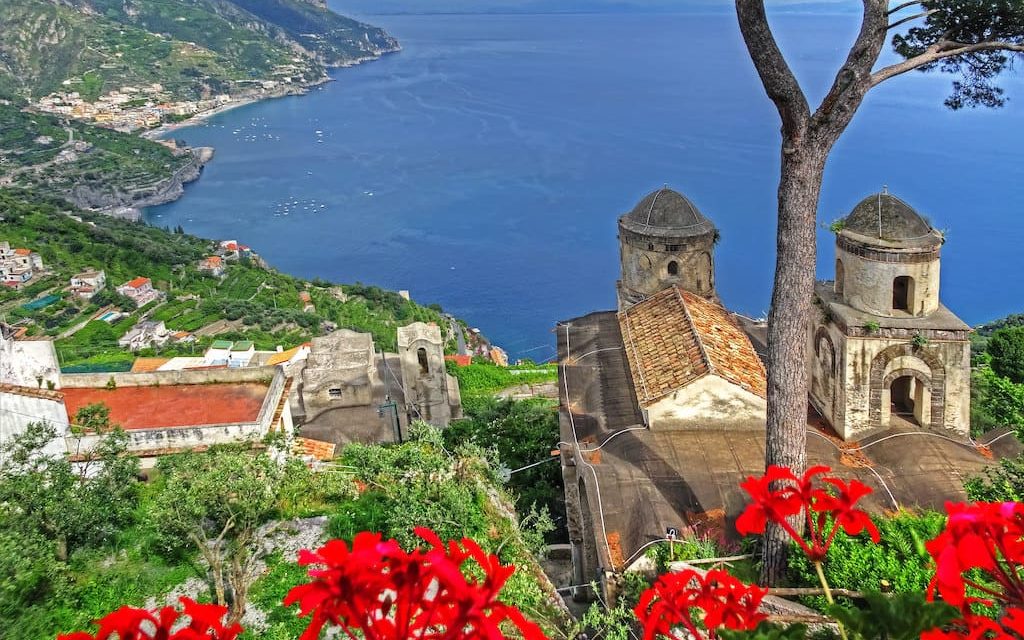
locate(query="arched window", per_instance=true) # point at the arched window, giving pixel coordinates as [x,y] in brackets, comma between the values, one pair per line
[673,268]
[840,277]
[421,355]
[903,293]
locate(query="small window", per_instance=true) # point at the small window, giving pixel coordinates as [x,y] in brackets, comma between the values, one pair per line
[673,268]
[650,246]
[672,247]
[421,355]
[901,293]
[334,393]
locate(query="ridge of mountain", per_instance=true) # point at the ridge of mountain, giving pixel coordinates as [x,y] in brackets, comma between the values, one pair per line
[195,48]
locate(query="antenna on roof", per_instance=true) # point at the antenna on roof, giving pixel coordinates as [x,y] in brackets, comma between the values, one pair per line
[885,190]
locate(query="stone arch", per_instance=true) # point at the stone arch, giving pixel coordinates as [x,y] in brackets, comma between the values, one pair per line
[924,386]
[826,373]
[424,363]
[707,269]
[672,268]
[936,381]
[840,277]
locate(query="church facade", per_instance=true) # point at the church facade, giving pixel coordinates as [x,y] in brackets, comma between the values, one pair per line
[884,352]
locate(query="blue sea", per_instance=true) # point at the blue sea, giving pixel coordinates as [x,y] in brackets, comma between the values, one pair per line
[484,166]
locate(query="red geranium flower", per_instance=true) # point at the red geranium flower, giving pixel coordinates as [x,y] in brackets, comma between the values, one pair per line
[386,593]
[724,600]
[129,623]
[780,494]
[983,536]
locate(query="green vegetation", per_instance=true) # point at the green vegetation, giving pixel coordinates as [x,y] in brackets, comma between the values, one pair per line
[144,549]
[112,168]
[194,49]
[1004,483]
[485,378]
[255,304]
[860,565]
[521,433]
[1006,348]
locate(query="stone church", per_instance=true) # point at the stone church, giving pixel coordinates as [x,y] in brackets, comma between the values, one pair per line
[885,352]
[662,401]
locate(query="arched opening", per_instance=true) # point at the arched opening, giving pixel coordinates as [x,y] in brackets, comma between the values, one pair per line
[673,268]
[840,277]
[903,294]
[421,356]
[909,399]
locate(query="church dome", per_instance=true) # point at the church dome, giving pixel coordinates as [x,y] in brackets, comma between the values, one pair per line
[666,213]
[884,217]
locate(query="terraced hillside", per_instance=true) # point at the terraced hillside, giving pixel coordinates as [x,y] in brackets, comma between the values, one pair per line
[249,302]
[89,166]
[195,48]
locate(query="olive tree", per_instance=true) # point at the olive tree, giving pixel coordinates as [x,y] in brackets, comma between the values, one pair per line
[977,39]
[214,502]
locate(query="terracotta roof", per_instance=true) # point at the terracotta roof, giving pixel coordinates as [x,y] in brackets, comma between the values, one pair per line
[284,356]
[675,337]
[304,296]
[460,360]
[31,392]
[213,261]
[22,252]
[173,406]
[317,448]
[137,282]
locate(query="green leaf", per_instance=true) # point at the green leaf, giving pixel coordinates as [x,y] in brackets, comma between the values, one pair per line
[767,631]
[901,616]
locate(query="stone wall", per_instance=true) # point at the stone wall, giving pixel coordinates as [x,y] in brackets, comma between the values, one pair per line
[867,283]
[183,376]
[708,403]
[865,368]
[28,363]
[17,411]
[424,376]
[645,266]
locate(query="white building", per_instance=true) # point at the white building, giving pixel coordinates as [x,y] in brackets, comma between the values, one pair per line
[86,284]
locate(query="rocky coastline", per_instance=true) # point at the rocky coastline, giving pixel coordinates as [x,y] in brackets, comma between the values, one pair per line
[128,205]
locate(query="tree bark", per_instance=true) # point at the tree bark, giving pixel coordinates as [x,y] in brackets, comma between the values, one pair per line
[796,247]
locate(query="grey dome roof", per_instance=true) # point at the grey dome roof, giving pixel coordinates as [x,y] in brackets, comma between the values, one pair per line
[667,212]
[885,217]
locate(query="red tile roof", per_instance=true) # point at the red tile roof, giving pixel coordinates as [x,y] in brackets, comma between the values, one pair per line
[137,282]
[213,261]
[460,360]
[170,406]
[675,337]
[22,252]
[318,449]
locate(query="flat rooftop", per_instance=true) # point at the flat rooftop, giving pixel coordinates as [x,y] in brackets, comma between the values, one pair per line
[173,406]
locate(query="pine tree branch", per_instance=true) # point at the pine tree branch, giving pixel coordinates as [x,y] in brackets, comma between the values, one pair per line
[852,81]
[901,7]
[923,14]
[779,82]
[940,51]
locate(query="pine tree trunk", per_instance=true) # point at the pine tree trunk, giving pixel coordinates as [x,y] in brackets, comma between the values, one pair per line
[786,437]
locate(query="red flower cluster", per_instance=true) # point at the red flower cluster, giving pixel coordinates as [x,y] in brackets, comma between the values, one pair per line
[726,602]
[780,494]
[385,593]
[128,623]
[985,537]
